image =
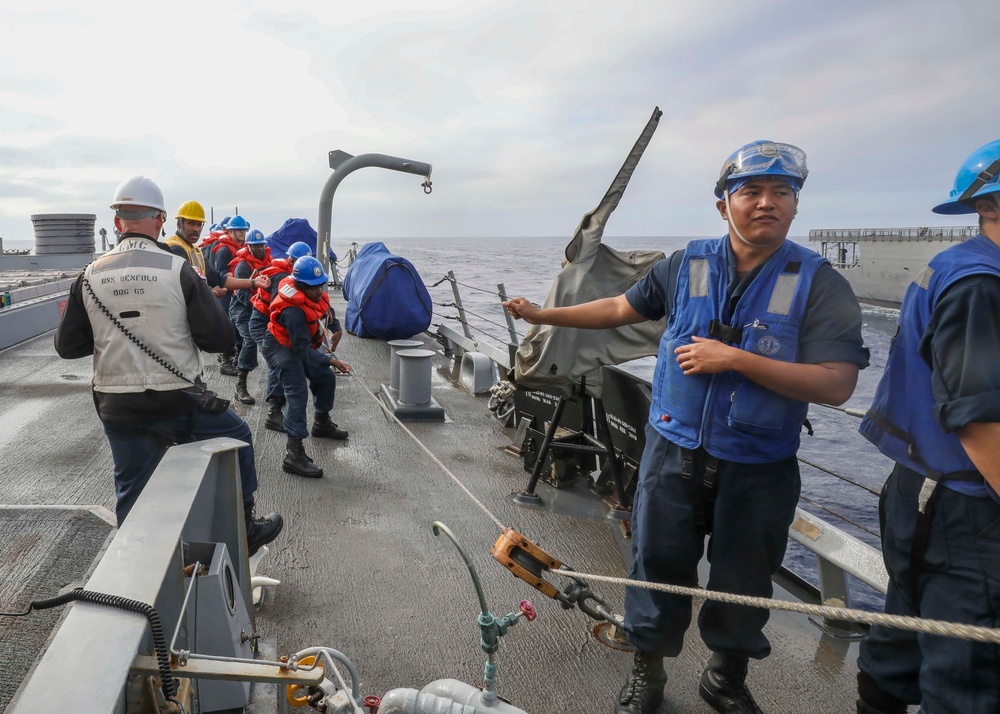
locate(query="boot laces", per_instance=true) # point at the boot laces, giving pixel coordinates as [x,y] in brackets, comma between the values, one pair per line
[638,683]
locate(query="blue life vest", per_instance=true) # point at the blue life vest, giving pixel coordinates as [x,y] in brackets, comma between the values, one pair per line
[733,417]
[900,421]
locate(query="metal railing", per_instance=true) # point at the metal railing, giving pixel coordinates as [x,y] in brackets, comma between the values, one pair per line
[949,233]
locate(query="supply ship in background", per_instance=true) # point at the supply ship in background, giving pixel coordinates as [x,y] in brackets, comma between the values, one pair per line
[880,262]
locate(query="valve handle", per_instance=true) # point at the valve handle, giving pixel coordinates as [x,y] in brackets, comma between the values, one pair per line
[371,703]
[528,610]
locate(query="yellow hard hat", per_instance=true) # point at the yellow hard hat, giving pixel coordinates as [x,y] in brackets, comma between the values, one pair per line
[191,211]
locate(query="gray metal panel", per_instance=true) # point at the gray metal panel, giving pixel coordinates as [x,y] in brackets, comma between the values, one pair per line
[193,494]
[19,323]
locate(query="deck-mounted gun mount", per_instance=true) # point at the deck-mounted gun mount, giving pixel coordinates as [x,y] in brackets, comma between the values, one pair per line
[342,164]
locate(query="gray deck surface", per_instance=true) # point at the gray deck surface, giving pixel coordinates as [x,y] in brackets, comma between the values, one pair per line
[362,572]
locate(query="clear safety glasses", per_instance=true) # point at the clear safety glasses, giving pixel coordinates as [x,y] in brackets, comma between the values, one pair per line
[769,158]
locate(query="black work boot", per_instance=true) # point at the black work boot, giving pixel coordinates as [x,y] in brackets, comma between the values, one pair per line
[297,462]
[643,692]
[324,428]
[275,420]
[261,531]
[872,699]
[228,366]
[242,395]
[723,685]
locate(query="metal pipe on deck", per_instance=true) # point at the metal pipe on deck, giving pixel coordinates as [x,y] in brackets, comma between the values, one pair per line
[343,164]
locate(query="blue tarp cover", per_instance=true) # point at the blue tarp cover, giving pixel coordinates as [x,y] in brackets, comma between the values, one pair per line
[386,298]
[292,231]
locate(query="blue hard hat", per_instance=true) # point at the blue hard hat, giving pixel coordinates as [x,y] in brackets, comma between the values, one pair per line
[308,270]
[256,237]
[980,162]
[224,221]
[763,158]
[237,223]
[298,250]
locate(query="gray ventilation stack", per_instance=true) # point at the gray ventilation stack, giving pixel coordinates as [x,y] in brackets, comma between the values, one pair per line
[64,233]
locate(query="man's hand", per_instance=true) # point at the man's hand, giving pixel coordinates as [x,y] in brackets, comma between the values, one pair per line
[340,365]
[262,281]
[705,356]
[219,291]
[522,309]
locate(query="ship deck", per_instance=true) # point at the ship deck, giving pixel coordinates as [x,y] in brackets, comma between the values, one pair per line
[360,569]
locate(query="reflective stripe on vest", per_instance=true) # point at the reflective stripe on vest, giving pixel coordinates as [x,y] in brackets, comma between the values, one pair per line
[194,255]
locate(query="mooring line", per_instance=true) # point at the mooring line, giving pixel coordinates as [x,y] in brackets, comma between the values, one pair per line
[914,624]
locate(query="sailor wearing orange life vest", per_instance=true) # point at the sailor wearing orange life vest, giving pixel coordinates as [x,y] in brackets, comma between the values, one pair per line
[260,316]
[221,253]
[248,262]
[296,348]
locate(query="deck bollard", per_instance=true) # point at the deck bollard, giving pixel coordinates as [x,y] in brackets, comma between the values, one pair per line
[396,346]
[415,377]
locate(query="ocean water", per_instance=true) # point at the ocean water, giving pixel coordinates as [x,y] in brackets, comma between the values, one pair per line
[847,467]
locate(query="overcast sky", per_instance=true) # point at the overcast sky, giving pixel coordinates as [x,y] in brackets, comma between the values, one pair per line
[526,108]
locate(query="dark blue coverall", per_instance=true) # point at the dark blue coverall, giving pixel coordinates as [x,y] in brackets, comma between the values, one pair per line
[301,369]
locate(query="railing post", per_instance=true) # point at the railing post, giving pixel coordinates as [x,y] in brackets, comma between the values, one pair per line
[502,292]
[458,304]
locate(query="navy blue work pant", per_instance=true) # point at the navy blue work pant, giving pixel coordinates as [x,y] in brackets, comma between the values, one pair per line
[225,301]
[137,447]
[959,582]
[297,378]
[246,359]
[754,507]
[258,330]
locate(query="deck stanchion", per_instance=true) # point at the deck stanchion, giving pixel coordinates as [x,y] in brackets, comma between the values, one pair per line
[458,304]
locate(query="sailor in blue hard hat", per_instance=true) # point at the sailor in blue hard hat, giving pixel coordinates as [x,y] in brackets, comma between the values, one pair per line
[299,347]
[937,416]
[259,319]
[757,327]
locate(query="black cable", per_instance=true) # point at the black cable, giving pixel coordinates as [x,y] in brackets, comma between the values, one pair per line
[840,516]
[169,684]
[869,489]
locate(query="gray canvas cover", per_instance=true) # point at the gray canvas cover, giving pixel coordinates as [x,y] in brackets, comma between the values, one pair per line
[556,358]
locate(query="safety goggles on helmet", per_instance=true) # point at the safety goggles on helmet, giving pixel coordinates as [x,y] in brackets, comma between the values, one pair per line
[764,158]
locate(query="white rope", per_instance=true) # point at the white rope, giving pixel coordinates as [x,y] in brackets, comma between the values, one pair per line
[916,624]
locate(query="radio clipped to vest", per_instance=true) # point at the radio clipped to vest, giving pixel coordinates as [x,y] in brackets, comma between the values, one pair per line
[204,398]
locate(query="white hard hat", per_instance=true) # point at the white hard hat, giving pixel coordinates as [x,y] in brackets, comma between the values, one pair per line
[138,191]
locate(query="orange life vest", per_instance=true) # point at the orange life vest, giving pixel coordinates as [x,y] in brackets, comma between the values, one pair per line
[290,296]
[261,297]
[256,264]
